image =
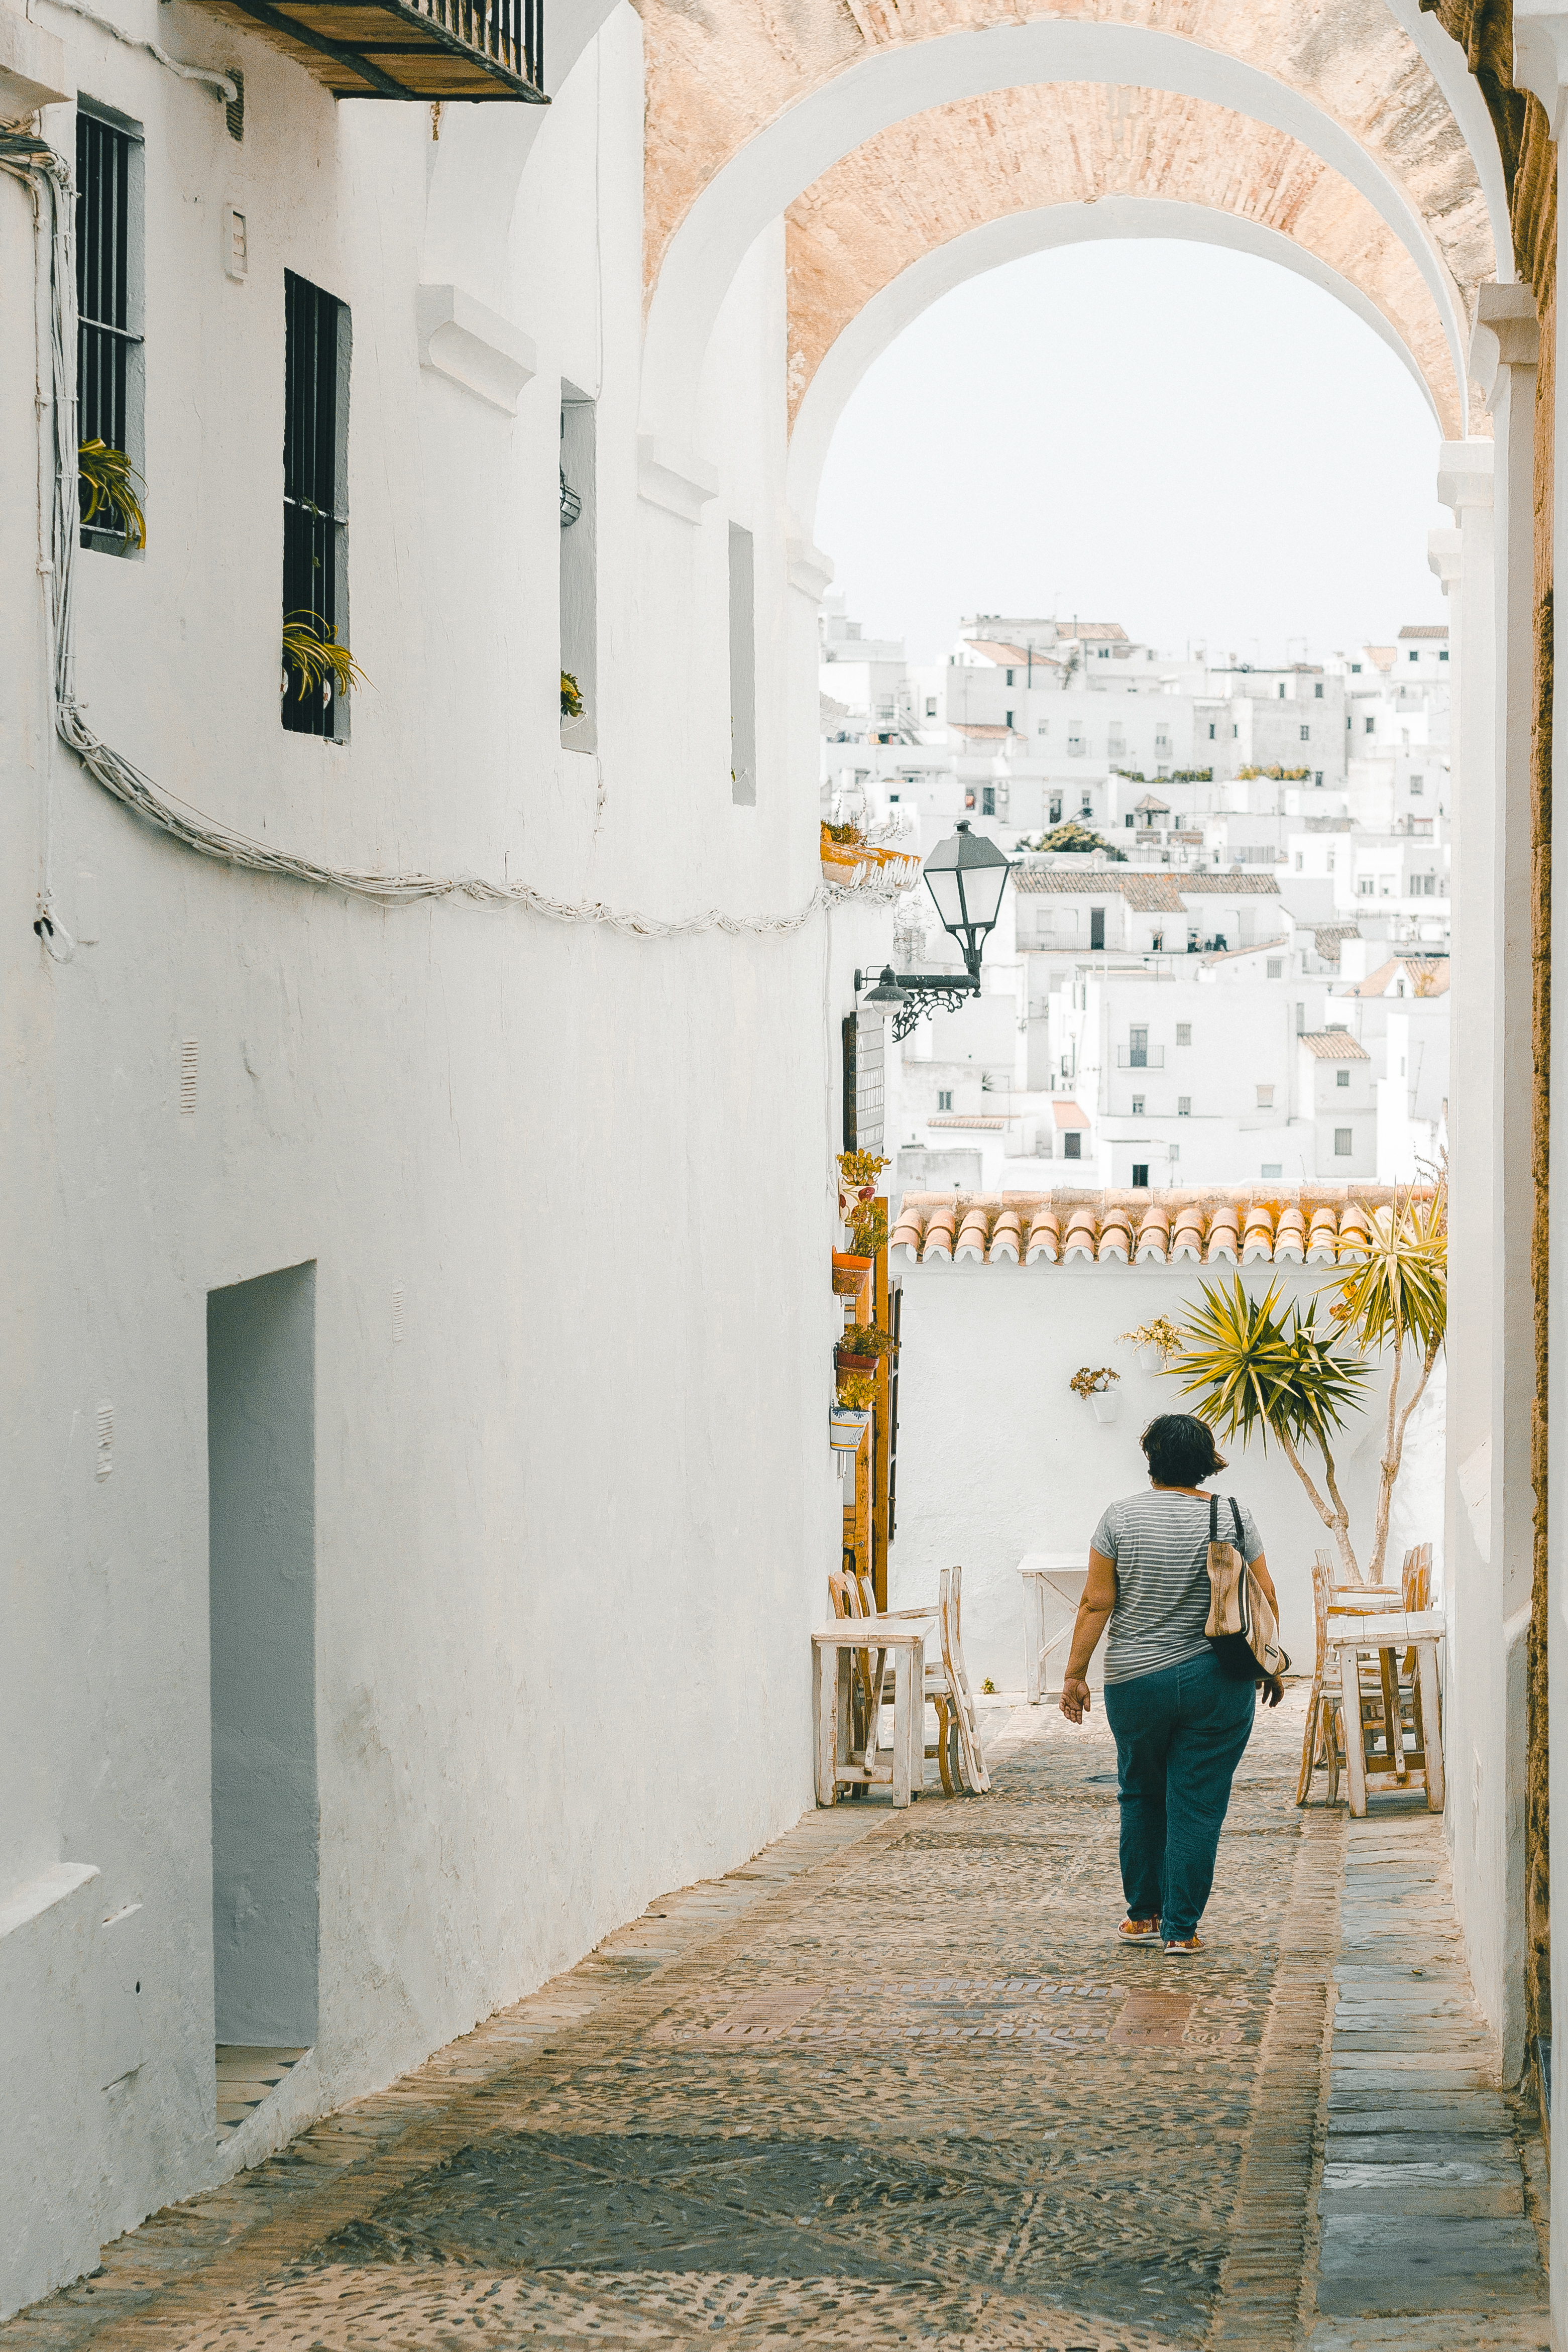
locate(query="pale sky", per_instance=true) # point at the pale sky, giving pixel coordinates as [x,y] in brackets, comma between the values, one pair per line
[1194,443]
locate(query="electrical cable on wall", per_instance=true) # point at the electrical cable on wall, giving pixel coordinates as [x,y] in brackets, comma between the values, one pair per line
[32,160]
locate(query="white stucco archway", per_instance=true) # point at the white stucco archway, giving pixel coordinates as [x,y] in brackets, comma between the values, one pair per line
[893,83]
[1110,218]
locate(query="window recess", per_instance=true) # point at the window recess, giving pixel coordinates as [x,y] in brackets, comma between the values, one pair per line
[315,494]
[111,352]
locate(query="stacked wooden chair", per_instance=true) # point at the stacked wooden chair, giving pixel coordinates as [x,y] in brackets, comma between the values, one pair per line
[1391,1702]
[960,1758]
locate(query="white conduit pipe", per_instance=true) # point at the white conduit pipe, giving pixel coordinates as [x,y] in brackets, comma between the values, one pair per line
[32,160]
[226,89]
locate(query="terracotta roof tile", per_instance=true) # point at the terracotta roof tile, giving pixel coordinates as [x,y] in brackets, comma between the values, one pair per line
[986,733]
[1334,1045]
[1424,629]
[964,1119]
[1146,894]
[1224,955]
[1008,656]
[1428,976]
[1316,1224]
[1330,936]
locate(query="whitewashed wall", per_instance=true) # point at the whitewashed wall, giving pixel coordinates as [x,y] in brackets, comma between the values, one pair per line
[998,1458]
[576,1504]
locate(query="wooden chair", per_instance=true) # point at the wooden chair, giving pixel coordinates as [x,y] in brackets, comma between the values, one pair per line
[1387,1698]
[871,1671]
[959,1757]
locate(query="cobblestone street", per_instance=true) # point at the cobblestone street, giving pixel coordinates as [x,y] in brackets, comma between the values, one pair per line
[893,2082]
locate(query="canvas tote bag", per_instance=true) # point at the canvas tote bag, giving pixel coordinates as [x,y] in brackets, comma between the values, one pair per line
[1242,1630]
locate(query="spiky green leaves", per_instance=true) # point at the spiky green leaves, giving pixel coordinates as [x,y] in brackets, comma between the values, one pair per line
[1255,1370]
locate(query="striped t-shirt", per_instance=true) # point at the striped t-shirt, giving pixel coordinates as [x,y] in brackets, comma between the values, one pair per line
[1159,1542]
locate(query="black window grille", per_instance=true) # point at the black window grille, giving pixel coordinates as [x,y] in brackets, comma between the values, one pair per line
[108,337]
[315,453]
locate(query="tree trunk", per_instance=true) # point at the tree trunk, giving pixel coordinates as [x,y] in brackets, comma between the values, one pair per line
[1388,1469]
[1336,1519]
[1395,1455]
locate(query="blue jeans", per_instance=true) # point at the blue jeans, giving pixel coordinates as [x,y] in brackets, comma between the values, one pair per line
[1179,1734]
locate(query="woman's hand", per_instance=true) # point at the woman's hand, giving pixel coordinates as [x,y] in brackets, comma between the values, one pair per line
[1075,1701]
[1273,1688]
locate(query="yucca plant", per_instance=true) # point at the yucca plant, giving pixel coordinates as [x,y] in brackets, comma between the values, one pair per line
[1396,1295]
[106,488]
[310,650]
[1255,1372]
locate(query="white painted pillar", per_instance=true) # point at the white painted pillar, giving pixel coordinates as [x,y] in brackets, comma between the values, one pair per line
[1475,1704]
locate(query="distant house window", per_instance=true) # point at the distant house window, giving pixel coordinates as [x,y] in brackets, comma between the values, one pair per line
[944,1100]
[1330,867]
[1418,787]
[1130,820]
[1056,810]
[315,486]
[1072,1144]
[1414,656]
[1137,1113]
[1301,1020]
[1183,1109]
[1272,1167]
[1355,669]
[1211,731]
[1234,733]
[1282,694]
[931,709]
[1105,653]
[1140,1175]
[1087,806]
[1300,861]
[1423,886]
[1007,714]
[1043,729]
[1184,1033]
[1318,779]
[1075,745]
[1372,727]
[1317,690]
[1306,734]
[1009,677]
[987,799]
[1265,1098]
[1275,968]
[1363,886]
[1342,1077]
[1344,1142]
[1137,1049]
[1443,653]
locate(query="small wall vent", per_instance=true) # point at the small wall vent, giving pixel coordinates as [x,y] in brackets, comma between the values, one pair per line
[103,1462]
[397,1316]
[190,1060]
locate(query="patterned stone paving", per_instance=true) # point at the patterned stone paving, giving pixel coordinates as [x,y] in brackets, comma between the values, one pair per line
[892,2083]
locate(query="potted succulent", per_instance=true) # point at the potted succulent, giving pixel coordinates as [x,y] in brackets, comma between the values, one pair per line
[862,1347]
[1156,1342]
[1100,1387]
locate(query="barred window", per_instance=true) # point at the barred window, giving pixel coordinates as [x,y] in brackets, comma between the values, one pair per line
[110,379]
[1344,1142]
[315,488]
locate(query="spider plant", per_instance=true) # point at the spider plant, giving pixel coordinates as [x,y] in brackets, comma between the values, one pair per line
[1254,1373]
[1395,1296]
[105,487]
[310,650]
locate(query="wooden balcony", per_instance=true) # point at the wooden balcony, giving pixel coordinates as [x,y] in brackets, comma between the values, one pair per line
[428,49]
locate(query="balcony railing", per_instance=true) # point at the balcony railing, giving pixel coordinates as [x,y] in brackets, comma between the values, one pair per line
[1140,1057]
[430,50]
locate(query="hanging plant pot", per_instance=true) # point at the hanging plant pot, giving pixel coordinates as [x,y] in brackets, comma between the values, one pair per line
[845,1427]
[850,1273]
[846,1361]
[1151,1359]
[1107,1405]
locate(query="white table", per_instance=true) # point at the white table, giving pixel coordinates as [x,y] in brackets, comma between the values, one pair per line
[1349,1632]
[833,1651]
[1053,1587]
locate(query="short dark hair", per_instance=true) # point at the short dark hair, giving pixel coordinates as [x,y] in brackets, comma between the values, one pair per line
[1180,1450]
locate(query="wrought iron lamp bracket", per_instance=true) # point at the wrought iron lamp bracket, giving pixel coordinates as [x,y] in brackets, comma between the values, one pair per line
[928,992]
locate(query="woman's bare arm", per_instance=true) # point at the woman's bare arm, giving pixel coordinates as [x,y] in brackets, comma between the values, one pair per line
[1093,1616]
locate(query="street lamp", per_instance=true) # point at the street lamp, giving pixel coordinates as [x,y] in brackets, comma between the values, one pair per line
[966,878]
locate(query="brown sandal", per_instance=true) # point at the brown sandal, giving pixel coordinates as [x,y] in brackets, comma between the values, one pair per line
[1138,1931]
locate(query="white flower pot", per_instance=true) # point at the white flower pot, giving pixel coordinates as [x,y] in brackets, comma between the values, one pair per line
[1152,1359]
[1107,1405]
[846,1424]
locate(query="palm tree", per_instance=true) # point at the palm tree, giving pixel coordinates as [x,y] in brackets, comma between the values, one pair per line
[1398,1293]
[1256,1372]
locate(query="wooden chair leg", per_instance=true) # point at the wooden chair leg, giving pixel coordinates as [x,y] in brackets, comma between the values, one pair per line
[1310,1745]
[943,1727]
[1335,1747]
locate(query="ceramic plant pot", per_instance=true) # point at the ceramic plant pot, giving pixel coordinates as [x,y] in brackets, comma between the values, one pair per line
[1107,1405]
[846,1424]
[1150,1359]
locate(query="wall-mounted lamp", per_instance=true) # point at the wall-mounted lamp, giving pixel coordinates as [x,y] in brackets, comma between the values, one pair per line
[966,876]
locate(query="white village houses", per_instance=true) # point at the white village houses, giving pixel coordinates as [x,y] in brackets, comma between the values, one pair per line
[420,1100]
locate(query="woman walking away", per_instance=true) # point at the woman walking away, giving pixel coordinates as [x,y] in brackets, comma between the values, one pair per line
[1180,1723]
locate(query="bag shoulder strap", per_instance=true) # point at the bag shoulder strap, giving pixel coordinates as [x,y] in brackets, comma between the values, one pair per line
[1214,1519]
[1236,1515]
